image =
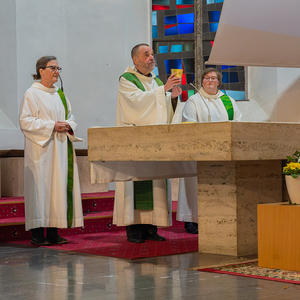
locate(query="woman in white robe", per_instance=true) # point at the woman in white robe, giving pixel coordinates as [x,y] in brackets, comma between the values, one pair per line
[43,122]
[205,106]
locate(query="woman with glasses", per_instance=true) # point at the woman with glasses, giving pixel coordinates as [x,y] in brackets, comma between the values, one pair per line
[51,190]
[208,105]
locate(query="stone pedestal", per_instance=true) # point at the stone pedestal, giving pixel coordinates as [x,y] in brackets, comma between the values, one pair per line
[228,194]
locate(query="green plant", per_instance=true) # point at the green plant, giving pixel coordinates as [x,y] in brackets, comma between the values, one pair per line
[293,165]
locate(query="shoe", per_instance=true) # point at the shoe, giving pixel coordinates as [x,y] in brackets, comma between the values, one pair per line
[53,237]
[135,240]
[57,240]
[191,227]
[40,241]
[153,237]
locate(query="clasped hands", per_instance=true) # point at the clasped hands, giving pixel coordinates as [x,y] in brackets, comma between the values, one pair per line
[61,126]
[171,84]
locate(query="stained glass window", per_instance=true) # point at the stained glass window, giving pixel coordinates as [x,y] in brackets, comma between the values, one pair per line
[173,44]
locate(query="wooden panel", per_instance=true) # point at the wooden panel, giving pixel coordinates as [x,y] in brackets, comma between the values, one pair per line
[279,236]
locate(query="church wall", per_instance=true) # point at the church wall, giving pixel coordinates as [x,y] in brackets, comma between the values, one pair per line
[92,41]
[273,93]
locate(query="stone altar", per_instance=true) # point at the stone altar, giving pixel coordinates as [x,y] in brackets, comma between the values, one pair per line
[239,165]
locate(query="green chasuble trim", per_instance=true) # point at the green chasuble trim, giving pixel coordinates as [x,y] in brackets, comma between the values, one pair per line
[143,194]
[70,167]
[132,78]
[228,105]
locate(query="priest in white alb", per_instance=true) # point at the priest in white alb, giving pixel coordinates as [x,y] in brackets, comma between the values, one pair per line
[143,99]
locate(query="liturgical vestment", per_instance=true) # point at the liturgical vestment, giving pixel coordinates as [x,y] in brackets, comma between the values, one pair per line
[46,160]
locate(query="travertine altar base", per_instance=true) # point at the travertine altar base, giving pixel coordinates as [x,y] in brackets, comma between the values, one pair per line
[228,194]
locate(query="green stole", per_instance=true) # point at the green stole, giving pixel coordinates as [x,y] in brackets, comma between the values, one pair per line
[142,190]
[70,167]
[228,105]
[132,78]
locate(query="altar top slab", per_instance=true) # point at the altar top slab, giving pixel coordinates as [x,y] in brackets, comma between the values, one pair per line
[219,141]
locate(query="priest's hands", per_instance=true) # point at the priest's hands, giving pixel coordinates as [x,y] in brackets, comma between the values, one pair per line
[172,81]
[62,126]
[176,91]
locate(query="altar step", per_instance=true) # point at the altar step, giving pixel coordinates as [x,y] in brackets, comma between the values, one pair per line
[97,211]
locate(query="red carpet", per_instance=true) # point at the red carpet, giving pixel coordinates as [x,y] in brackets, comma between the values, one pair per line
[114,244]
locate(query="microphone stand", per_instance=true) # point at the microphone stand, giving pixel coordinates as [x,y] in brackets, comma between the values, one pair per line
[61,83]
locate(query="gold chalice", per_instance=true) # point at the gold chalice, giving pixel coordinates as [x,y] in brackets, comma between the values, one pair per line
[179,73]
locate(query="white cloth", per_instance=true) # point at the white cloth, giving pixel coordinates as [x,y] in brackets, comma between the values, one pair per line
[200,105]
[46,160]
[114,171]
[197,109]
[137,107]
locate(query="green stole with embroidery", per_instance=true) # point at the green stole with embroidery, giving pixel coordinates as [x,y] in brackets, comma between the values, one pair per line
[142,190]
[228,105]
[70,166]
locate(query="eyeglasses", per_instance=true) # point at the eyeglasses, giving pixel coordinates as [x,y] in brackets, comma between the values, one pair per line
[54,68]
[211,78]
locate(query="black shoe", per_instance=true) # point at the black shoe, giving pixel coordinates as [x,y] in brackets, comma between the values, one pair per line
[53,236]
[135,240]
[40,241]
[153,237]
[57,240]
[191,227]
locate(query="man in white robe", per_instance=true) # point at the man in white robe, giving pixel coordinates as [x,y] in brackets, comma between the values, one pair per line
[42,120]
[144,100]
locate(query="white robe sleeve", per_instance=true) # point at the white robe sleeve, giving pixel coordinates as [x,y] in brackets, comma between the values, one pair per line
[189,113]
[39,131]
[142,107]
[237,113]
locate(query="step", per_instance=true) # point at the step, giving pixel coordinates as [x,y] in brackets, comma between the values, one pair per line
[12,207]
[97,208]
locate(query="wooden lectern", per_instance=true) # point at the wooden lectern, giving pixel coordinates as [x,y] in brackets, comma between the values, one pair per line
[239,165]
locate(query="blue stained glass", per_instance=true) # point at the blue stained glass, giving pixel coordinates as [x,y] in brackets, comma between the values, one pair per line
[163,49]
[186,28]
[155,71]
[214,16]
[176,48]
[186,18]
[236,95]
[154,32]
[219,1]
[182,2]
[213,27]
[227,67]
[170,20]
[154,18]
[172,64]
[230,77]
[190,78]
[210,1]
[171,31]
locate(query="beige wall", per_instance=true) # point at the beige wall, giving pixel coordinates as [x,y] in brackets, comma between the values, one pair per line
[273,93]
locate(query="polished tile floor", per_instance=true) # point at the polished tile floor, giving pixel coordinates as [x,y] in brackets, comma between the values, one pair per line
[39,273]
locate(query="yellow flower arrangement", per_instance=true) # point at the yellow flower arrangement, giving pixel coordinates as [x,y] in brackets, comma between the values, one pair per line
[293,166]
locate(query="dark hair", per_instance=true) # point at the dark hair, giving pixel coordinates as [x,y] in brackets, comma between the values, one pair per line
[41,64]
[208,70]
[136,49]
